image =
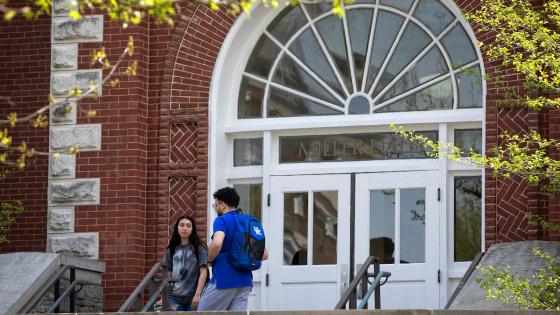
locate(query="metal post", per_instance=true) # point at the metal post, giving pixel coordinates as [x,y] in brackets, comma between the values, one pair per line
[364,288]
[376,271]
[56,293]
[73,290]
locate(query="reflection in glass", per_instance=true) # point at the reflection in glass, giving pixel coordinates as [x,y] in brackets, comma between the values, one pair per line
[469,139]
[434,97]
[468,214]
[434,14]
[250,98]
[316,8]
[359,22]
[431,66]
[332,35]
[295,228]
[382,225]
[262,57]
[290,74]
[413,225]
[390,23]
[470,88]
[250,199]
[325,219]
[308,51]
[459,47]
[247,152]
[285,104]
[410,45]
[359,105]
[287,23]
[403,5]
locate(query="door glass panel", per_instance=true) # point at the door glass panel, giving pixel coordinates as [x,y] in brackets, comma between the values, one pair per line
[250,199]
[382,225]
[295,228]
[468,213]
[325,219]
[412,225]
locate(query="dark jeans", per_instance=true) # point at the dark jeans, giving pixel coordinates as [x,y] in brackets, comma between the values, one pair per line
[175,305]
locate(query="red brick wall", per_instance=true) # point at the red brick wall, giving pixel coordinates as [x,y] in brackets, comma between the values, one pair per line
[25,53]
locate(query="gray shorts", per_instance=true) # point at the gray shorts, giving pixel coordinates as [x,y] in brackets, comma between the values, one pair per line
[213,299]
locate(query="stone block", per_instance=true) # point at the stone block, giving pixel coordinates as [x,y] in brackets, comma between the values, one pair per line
[60,220]
[61,116]
[62,7]
[73,192]
[75,244]
[65,81]
[86,137]
[86,29]
[63,166]
[64,56]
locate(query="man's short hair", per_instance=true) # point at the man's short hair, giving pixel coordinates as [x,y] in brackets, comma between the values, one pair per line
[227,195]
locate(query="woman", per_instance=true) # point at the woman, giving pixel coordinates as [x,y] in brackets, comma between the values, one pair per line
[186,264]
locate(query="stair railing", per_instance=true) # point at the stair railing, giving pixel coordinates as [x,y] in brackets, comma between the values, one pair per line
[360,283]
[156,287]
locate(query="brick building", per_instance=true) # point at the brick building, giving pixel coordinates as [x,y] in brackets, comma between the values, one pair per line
[291,106]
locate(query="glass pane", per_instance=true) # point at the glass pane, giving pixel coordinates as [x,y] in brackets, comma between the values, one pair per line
[468,213]
[359,27]
[262,57]
[390,23]
[250,199]
[431,66]
[411,43]
[434,14]
[359,105]
[295,228]
[467,139]
[351,147]
[284,104]
[437,96]
[307,49]
[382,225]
[332,33]
[247,152]
[250,101]
[404,5]
[287,23]
[459,47]
[470,88]
[317,8]
[413,225]
[325,219]
[290,74]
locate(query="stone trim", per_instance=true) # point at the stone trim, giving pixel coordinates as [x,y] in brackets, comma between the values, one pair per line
[84,191]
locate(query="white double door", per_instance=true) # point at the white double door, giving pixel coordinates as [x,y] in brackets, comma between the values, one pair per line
[396,217]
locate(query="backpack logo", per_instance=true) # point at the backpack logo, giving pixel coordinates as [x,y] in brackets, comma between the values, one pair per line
[248,243]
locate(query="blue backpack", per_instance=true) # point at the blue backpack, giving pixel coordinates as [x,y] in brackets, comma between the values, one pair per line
[248,244]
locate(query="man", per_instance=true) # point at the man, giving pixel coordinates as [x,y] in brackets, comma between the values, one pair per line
[229,287]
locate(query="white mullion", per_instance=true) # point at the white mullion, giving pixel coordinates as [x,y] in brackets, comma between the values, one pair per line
[325,52]
[397,225]
[349,52]
[310,228]
[414,90]
[370,47]
[309,71]
[272,70]
[435,42]
[392,50]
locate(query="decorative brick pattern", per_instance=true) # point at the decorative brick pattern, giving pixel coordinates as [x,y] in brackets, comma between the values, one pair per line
[183,142]
[182,198]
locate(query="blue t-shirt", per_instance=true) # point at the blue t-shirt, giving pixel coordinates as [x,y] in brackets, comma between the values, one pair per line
[226,276]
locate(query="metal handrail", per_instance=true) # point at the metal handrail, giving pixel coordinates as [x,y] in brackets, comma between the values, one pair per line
[374,286]
[361,278]
[148,282]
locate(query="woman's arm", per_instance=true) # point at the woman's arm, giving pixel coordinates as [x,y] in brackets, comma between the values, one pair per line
[200,286]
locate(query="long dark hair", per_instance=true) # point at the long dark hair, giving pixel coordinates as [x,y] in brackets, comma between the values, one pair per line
[194,239]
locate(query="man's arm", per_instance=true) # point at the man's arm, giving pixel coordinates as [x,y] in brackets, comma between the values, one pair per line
[215,245]
[265,254]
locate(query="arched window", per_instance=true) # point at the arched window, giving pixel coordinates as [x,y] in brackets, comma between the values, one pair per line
[382,56]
